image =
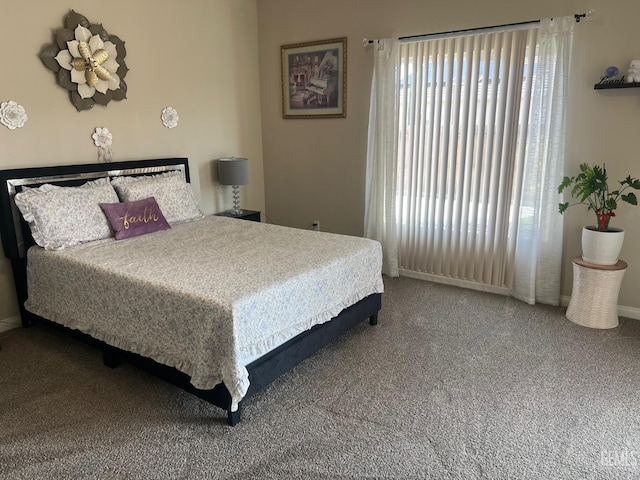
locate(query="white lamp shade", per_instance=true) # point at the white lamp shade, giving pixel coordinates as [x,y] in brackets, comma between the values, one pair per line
[233,171]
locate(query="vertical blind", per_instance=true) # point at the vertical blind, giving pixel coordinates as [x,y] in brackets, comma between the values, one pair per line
[463,113]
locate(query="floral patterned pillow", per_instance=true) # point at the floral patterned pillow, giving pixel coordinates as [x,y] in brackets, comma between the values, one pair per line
[173,194]
[60,217]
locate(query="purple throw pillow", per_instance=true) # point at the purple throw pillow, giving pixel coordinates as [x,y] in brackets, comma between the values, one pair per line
[134,218]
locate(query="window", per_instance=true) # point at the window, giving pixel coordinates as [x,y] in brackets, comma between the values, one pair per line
[463,113]
[465,151]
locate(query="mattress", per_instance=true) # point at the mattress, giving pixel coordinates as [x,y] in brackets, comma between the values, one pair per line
[207,296]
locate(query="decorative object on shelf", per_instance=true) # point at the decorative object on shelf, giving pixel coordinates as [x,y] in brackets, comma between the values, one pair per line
[235,172]
[12,115]
[633,75]
[610,79]
[170,117]
[610,76]
[601,244]
[314,79]
[102,138]
[88,62]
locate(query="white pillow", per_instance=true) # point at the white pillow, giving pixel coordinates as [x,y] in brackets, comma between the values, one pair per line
[60,217]
[173,194]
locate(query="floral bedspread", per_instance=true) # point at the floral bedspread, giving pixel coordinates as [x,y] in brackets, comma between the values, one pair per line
[206,295]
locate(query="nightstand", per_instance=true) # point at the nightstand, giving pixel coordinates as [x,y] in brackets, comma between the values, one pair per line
[250,215]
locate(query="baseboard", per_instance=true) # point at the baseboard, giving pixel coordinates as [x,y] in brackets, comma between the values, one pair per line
[454,282]
[9,323]
[623,311]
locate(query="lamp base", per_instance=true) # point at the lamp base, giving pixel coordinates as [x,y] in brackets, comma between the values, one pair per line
[236,200]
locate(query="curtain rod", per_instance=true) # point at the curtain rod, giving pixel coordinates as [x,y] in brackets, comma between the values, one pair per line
[577,16]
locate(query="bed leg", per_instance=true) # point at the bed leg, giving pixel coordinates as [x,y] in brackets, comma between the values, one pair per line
[111,358]
[26,322]
[233,418]
[373,319]
[27,318]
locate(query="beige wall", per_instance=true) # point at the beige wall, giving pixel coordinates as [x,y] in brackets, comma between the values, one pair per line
[315,169]
[199,56]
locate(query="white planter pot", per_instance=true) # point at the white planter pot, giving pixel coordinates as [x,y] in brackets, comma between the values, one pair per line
[602,248]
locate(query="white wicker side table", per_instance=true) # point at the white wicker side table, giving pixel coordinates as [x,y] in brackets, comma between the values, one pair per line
[594,299]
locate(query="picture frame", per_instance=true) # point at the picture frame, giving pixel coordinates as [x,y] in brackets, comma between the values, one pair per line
[314,79]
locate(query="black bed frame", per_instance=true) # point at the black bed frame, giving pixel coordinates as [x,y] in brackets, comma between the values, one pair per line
[16,239]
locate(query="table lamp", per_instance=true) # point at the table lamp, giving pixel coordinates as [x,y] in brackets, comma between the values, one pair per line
[235,172]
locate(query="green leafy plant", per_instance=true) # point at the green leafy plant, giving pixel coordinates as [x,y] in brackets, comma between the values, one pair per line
[590,187]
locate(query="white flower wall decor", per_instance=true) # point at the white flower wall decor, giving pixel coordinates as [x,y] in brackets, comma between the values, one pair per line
[102,138]
[88,62]
[12,115]
[170,117]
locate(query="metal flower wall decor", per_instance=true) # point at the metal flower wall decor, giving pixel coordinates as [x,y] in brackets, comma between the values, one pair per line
[88,62]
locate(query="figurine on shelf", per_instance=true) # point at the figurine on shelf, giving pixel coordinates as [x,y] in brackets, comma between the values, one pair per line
[611,76]
[633,75]
[611,72]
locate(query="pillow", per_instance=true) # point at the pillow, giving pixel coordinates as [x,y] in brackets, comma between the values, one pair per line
[60,217]
[174,195]
[134,218]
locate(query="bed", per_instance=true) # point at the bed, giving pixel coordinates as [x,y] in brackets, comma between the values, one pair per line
[217,306]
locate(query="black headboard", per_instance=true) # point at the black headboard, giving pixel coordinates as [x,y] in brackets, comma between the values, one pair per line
[15,232]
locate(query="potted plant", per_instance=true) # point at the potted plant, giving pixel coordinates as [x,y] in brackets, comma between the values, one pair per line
[601,244]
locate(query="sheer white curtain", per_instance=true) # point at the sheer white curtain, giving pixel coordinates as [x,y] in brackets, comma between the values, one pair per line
[382,154]
[539,244]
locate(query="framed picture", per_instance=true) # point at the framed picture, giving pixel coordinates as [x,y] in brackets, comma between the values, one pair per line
[314,79]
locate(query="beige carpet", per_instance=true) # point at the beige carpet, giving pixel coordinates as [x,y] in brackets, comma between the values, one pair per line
[450,384]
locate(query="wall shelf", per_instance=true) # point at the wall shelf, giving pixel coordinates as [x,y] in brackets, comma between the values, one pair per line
[606,86]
